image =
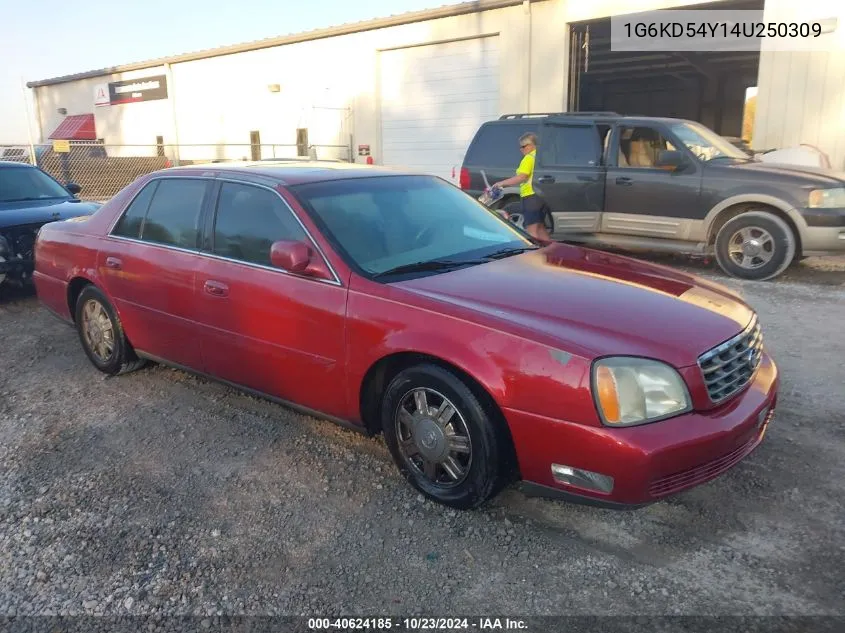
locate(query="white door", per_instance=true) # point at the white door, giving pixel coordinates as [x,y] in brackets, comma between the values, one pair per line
[433,100]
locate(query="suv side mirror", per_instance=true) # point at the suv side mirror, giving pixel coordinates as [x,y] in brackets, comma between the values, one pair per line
[298,257]
[73,188]
[671,160]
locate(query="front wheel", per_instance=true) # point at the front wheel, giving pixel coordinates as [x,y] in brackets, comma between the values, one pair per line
[755,245]
[441,438]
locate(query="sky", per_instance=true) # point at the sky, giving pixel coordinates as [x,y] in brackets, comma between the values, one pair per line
[48,38]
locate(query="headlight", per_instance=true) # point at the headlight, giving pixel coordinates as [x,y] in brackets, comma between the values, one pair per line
[827,198]
[630,391]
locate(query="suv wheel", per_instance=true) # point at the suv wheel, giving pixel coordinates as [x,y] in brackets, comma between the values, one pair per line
[441,438]
[755,245]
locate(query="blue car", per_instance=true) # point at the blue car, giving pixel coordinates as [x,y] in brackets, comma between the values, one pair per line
[29,199]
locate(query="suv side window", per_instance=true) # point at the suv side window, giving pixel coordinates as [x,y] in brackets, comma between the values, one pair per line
[569,146]
[130,223]
[497,145]
[173,215]
[640,146]
[248,220]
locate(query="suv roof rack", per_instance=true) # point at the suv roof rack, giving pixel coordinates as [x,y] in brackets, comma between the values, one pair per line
[538,114]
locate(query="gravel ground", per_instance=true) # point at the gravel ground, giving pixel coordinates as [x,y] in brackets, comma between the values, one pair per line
[160,493]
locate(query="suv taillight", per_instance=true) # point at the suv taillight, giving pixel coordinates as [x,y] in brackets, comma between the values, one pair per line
[464,178]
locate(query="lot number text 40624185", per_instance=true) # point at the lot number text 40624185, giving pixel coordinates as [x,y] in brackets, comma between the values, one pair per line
[418,624]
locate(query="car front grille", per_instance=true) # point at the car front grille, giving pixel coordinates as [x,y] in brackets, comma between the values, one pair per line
[728,367]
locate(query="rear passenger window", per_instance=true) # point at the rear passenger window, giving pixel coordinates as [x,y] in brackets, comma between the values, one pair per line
[130,224]
[497,145]
[174,213]
[248,220]
[570,146]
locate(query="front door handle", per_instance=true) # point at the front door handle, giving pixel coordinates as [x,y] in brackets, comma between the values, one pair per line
[545,179]
[624,181]
[114,262]
[216,288]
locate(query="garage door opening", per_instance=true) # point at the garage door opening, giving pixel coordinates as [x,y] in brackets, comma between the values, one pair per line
[709,87]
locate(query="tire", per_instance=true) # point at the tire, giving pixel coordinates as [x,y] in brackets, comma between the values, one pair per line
[121,358]
[480,477]
[770,254]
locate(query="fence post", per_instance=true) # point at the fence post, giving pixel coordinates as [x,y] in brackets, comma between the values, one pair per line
[33,159]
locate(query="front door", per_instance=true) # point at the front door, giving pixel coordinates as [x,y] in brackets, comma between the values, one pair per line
[148,265]
[569,174]
[643,199]
[263,328]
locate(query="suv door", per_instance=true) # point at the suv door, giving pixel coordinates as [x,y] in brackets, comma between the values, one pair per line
[262,327]
[642,198]
[495,151]
[148,263]
[569,174]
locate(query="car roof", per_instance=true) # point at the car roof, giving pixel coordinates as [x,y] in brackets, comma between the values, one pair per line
[293,173]
[584,117]
[15,163]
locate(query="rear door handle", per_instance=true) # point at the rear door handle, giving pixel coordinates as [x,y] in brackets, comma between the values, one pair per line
[546,179]
[216,288]
[624,181]
[114,262]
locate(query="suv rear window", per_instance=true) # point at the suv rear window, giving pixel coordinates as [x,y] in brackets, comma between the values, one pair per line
[497,145]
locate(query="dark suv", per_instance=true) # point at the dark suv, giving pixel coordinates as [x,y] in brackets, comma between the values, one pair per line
[664,184]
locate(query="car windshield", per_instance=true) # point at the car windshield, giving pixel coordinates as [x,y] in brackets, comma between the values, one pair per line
[385,223]
[705,143]
[25,183]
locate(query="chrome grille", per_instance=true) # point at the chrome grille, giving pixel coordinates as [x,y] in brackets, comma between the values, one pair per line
[730,366]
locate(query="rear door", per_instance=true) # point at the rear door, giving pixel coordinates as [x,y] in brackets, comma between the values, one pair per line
[569,174]
[148,266]
[262,327]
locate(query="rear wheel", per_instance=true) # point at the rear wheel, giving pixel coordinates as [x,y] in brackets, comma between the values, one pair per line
[441,438]
[755,245]
[101,334]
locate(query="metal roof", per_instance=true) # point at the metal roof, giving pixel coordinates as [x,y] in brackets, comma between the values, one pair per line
[410,17]
[77,127]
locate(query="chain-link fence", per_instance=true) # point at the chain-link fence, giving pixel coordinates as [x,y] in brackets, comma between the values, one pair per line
[103,170]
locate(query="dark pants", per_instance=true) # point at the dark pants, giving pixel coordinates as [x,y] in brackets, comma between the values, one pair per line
[533,210]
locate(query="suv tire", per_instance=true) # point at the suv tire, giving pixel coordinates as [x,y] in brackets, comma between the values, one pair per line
[755,245]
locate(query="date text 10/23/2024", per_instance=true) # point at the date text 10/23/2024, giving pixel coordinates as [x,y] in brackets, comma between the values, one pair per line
[417,624]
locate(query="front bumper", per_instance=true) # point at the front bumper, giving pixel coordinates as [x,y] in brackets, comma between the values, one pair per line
[824,231]
[649,462]
[16,268]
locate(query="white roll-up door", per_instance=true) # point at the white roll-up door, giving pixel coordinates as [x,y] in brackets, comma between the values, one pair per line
[433,99]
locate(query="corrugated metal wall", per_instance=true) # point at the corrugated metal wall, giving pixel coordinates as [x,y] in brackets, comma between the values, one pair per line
[801,94]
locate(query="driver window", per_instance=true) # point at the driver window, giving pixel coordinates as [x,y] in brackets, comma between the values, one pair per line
[639,147]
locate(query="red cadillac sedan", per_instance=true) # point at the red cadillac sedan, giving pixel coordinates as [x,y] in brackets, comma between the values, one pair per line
[395,303]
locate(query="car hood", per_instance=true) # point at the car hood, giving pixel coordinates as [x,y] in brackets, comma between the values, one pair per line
[42,211]
[824,177]
[594,304]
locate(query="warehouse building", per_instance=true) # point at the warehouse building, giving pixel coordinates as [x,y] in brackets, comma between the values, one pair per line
[412,89]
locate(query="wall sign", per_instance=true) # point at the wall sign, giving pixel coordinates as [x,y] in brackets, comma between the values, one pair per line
[363,150]
[131,91]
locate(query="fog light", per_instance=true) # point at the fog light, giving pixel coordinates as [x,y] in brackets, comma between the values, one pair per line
[582,478]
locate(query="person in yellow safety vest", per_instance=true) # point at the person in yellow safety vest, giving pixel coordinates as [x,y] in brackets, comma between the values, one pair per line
[533,206]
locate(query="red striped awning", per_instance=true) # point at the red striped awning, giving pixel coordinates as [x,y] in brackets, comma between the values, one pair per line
[77,127]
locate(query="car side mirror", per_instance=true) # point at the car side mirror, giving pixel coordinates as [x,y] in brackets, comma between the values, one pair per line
[298,257]
[73,188]
[671,160]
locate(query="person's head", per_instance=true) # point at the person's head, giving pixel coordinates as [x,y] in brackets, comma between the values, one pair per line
[527,143]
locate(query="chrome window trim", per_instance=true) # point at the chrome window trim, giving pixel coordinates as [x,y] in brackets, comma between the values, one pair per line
[197,251]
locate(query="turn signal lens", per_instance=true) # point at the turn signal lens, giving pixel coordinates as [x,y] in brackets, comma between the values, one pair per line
[607,394]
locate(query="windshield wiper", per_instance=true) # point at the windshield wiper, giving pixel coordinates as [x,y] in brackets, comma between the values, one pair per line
[747,159]
[507,252]
[433,264]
